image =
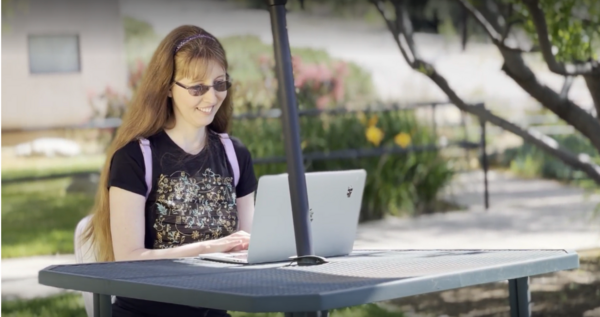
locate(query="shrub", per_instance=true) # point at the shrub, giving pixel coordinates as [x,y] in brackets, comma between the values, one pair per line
[320,79]
[529,161]
[396,183]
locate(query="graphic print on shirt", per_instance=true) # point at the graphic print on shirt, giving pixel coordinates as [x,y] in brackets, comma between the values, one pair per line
[193,208]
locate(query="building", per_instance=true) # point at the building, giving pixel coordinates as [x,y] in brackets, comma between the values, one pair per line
[56,55]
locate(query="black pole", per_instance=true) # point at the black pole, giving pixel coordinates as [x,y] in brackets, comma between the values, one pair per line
[463,123]
[291,127]
[484,163]
[434,121]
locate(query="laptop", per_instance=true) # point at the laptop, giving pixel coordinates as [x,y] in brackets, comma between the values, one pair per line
[334,199]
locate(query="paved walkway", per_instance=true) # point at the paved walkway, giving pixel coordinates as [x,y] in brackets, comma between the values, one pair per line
[523,214]
[20,276]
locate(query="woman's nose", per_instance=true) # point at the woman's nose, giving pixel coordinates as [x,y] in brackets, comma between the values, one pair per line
[210,95]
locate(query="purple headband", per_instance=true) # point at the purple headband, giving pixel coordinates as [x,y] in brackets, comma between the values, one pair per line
[193,37]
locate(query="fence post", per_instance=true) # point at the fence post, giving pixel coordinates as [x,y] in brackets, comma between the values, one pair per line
[433,121]
[484,162]
[463,123]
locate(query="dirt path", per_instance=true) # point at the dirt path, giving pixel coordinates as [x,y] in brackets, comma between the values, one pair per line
[563,294]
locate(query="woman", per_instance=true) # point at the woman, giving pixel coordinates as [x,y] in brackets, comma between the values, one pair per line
[193,206]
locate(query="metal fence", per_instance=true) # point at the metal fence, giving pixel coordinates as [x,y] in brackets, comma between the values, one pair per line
[110,123]
[370,152]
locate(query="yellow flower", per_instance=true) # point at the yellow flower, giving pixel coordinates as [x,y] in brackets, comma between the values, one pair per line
[374,135]
[402,139]
[303,144]
[373,121]
[362,118]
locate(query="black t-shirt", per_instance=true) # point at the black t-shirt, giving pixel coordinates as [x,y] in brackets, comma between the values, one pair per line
[193,197]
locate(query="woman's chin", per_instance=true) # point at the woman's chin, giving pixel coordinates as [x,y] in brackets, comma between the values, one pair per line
[203,123]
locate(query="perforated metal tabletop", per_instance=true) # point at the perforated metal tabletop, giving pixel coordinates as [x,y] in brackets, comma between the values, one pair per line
[363,277]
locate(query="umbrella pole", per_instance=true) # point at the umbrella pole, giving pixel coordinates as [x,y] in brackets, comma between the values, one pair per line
[286,97]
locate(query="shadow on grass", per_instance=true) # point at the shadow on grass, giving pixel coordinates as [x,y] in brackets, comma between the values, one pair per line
[39,217]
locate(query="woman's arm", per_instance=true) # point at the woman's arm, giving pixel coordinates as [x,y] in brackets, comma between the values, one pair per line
[245,207]
[127,225]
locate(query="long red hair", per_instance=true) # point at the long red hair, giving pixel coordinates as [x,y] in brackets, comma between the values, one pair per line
[151,110]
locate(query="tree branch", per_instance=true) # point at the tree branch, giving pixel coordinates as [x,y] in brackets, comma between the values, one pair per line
[544,142]
[564,92]
[539,20]
[404,27]
[515,67]
[509,24]
[497,38]
[593,84]
[464,32]
[390,25]
[379,6]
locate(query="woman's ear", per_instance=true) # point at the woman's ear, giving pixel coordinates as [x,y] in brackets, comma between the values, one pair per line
[170,93]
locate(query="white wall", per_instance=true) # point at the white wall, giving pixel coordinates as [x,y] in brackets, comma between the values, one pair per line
[60,99]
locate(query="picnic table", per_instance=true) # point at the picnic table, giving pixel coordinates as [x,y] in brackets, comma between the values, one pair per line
[310,289]
[365,276]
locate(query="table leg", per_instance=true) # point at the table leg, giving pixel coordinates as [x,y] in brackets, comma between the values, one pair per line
[323,313]
[102,305]
[519,296]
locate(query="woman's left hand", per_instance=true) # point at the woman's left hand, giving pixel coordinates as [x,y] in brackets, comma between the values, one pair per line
[243,246]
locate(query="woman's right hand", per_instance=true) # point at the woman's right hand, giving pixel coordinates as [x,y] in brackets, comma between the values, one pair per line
[236,241]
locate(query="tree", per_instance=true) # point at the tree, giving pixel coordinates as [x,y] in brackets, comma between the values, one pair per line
[562,30]
[567,26]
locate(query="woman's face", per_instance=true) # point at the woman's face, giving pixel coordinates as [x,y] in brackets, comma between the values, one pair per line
[199,107]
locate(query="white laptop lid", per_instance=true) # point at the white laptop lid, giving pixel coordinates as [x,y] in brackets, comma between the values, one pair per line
[334,199]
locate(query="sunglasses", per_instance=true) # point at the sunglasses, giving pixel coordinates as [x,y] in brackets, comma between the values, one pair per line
[199,90]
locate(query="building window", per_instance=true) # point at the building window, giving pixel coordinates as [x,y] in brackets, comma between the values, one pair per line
[53,54]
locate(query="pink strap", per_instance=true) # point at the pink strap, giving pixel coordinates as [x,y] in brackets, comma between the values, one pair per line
[147,152]
[230,151]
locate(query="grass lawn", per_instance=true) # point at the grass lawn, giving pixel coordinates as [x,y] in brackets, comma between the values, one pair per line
[64,305]
[39,217]
[18,167]
[71,305]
